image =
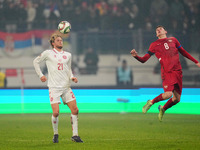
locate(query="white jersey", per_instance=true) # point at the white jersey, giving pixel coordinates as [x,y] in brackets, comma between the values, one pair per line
[58,65]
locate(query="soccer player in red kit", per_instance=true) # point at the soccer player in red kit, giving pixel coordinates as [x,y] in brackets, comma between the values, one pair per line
[167,51]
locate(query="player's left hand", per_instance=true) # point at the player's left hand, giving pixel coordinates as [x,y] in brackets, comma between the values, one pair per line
[74,79]
[198,64]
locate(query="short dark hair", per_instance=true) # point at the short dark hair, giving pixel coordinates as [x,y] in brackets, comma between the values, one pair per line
[161,27]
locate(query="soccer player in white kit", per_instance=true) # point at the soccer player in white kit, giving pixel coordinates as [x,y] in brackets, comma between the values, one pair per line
[59,75]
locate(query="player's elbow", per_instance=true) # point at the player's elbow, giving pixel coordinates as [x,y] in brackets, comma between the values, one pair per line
[143,61]
[34,62]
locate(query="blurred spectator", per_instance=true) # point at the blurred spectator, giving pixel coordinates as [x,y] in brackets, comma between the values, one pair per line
[127,20]
[3,80]
[176,15]
[124,75]
[39,18]
[67,10]
[104,15]
[22,27]
[93,24]
[31,13]
[148,26]
[158,12]
[134,14]
[100,15]
[91,60]
[54,15]
[194,16]
[105,21]
[186,25]
[84,15]
[176,10]
[11,15]
[76,21]
[47,13]
[2,18]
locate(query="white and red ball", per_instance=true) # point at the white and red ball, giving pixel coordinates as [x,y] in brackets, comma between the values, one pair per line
[64,27]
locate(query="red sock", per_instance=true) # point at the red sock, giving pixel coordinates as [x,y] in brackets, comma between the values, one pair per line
[157,99]
[169,104]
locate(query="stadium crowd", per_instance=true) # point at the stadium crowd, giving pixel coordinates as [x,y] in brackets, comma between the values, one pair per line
[100,15]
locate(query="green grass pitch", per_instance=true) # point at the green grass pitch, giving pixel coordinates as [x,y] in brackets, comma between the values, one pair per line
[101,131]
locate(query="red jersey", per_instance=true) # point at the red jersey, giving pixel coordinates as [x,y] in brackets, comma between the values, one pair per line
[167,51]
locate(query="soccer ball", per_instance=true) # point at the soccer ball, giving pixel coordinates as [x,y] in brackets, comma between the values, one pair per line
[64,27]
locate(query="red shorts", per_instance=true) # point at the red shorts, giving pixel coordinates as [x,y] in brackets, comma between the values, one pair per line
[172,81]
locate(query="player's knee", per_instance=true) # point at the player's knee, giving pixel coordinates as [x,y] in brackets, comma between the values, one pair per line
[167,95]
[177,100]
[75,111]
[55,114]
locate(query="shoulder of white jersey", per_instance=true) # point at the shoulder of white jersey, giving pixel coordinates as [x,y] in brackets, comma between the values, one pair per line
[67,52]
[47,50]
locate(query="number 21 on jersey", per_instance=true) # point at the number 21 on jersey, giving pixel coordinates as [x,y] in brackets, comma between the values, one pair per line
[60,66]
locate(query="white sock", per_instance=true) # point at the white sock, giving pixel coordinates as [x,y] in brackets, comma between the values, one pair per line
[55,124]
[74,122]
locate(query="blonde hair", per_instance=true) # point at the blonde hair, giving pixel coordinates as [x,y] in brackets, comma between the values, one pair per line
[53,37]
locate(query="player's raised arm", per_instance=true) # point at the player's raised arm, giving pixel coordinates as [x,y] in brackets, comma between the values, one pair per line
[141,59]
[187,55]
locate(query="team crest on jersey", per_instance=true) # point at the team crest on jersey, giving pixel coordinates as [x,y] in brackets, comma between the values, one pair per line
[64,57]
[165,86]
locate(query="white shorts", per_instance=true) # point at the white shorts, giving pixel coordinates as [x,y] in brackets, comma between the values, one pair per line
[56,93]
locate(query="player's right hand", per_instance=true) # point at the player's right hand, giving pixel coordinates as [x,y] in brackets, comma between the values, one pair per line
[43,78]
[133,52]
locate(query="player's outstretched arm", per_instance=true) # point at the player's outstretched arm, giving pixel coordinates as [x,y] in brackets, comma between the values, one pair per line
[141,59]
[74,79]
